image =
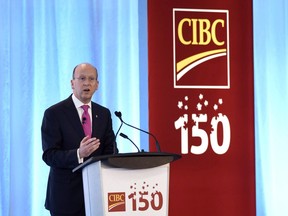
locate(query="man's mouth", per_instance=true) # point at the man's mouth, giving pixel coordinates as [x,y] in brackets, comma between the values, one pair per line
[86,90]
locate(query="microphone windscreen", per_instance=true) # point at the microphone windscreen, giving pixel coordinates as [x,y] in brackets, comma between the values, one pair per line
[118,114]
[123,135]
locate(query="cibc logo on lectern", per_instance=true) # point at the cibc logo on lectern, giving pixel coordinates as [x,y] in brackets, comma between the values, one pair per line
[201,49]
[116,202]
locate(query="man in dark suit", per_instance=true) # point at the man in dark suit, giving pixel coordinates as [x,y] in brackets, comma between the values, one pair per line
[65,144]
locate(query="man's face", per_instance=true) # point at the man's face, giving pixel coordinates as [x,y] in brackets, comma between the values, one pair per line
[85,82]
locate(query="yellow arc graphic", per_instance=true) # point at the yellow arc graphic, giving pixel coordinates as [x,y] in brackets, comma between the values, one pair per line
[115,204]
[183,63]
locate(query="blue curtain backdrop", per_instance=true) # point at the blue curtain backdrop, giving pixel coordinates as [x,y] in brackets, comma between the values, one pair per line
[271,105]
[40,43]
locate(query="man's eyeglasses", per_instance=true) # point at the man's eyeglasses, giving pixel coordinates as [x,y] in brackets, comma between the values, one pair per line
[83,79]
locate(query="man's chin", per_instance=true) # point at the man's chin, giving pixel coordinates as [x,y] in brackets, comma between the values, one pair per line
[86,97]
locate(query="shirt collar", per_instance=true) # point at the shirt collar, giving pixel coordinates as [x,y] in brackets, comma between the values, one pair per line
[78,103]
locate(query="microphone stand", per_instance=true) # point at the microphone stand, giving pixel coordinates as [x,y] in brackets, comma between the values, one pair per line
[119,115]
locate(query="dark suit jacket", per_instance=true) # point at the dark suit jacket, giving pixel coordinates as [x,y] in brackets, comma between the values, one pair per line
[61,136]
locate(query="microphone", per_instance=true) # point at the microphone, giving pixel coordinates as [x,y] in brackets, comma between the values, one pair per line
[119,115]
[126,137]
[115,150]
[83,120]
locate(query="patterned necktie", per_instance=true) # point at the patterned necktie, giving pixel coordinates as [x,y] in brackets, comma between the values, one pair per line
[86,121]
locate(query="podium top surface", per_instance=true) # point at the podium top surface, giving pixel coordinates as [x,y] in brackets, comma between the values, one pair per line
[141,160]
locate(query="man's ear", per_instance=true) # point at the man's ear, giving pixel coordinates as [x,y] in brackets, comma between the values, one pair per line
[72,84]
[97,85]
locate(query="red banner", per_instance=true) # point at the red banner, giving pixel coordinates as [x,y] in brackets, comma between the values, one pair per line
[201,103]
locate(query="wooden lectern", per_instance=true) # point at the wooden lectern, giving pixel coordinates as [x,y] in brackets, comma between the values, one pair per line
[127,184]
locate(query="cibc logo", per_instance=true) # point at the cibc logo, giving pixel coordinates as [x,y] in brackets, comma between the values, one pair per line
[201,48]
[116,202]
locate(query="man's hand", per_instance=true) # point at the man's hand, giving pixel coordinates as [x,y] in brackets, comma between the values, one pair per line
[88,146]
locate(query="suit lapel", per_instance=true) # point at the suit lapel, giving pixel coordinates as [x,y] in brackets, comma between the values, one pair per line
[73,117]
[96,116]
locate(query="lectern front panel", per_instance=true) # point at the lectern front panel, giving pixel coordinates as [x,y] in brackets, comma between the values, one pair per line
[120,191]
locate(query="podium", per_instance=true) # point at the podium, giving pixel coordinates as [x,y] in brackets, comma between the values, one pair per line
[127,184]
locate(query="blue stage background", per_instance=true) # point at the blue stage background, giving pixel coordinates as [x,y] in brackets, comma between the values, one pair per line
[41,42]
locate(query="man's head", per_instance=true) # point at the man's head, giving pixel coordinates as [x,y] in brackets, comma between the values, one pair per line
[84,82]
